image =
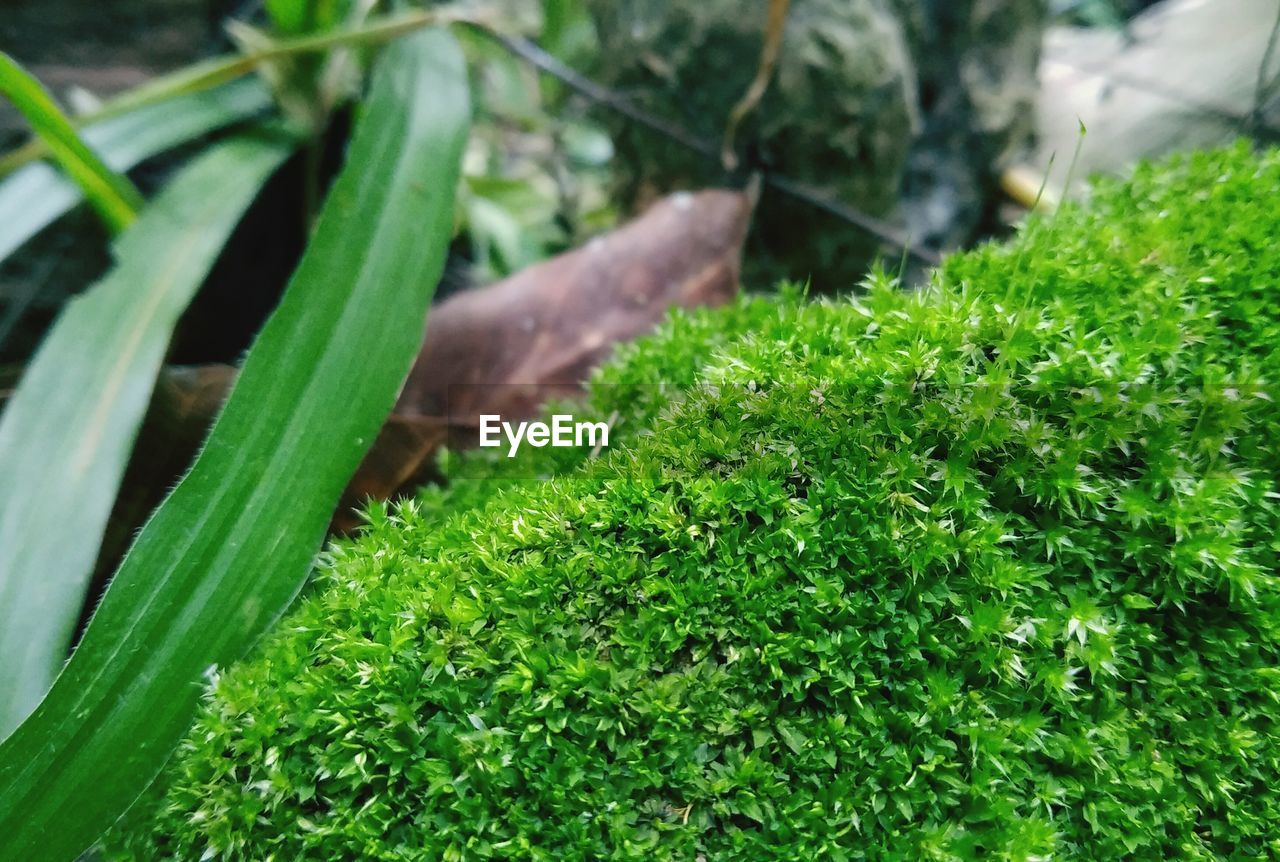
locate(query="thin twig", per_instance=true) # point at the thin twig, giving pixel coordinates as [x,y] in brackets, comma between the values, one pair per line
[774,28]
[595,92]
[876,227]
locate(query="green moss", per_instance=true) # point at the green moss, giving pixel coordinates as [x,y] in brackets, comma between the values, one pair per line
[987,571]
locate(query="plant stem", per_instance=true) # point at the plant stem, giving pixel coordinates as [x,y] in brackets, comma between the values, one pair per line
[111,194]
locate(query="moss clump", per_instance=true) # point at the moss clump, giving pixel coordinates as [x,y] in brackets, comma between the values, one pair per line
[987,571]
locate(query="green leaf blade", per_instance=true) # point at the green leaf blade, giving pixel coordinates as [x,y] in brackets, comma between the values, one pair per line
[35,195]
[66,435]
[229,549]
[111,194]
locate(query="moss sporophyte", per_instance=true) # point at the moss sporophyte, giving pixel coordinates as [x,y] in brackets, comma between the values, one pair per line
[984,571]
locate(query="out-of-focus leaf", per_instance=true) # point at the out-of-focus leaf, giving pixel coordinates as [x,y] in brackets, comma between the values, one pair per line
[216,71]
[230,547]
[309,85]
[567,33]
[587,145]
[111,194]
[290,16]
[295,17]
[34,196]
[66,434]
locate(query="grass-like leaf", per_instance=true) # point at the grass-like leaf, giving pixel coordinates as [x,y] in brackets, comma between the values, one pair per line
[66,434]
[35,195]
[217,71]
[228,550]
[111,194]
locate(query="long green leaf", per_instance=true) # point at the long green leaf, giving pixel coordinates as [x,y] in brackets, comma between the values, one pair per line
[66,434]
[217,71]
[228,550]
[34,196]
[111,194]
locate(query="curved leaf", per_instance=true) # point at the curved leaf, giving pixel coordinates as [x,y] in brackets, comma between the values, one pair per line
[226,553]
[111,194]
[217,71]
[66,435]
[34,196]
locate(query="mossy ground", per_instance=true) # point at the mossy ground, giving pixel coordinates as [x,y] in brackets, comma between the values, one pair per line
[984,571]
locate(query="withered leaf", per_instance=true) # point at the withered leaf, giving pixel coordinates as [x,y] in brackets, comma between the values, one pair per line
[546,327]
[509,347]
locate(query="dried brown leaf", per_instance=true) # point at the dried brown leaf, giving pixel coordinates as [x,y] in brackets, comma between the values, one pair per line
[507,348]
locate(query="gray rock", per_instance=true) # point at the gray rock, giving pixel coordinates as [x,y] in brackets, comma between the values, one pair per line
[875,102]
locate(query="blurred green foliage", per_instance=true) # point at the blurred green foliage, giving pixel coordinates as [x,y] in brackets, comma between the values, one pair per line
[538,168]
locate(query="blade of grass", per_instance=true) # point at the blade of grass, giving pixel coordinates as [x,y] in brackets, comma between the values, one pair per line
[34,196]
[227,551]
[111,194]
[66,434]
